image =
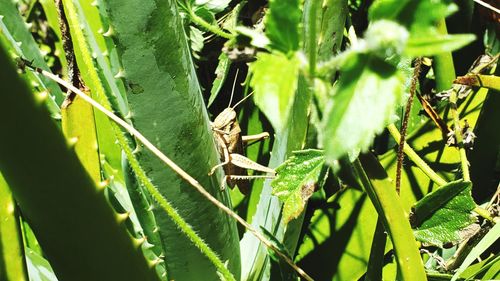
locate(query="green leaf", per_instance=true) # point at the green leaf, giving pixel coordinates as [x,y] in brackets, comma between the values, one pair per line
[297,180]
[205,14]
[431,216]
[274,80]
[432,45]
[169,110]
[362,104]
[416,15]
[55,202]
[220,76]
[213,5]
[282,25]
[383,196]
[197,41]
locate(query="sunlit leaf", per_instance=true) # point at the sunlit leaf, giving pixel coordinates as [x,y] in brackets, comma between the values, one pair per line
[282,24]
[297,179]
[432,45]
[431,215]
[361,105]
[274,80]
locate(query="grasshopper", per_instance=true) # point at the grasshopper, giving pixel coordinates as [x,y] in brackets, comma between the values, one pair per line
[227,133]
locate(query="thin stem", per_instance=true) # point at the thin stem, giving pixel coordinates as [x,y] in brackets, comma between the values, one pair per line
[488,6]
[478,80]
[212,28]
[177,170]
[404,126]
[458,135]
[415,158]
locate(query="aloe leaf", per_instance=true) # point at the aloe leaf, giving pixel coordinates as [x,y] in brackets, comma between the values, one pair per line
[85,25]
[78,126]
[18,40]
[166,105]
[55,202]
[12,263]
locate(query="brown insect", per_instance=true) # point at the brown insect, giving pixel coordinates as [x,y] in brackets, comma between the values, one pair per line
[230,143]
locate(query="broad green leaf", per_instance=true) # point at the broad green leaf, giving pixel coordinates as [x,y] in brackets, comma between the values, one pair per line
[274,80]
[167,107]
[55,202]
[296,180]
[432,45]
[363,102]
[282,25]
[431,216]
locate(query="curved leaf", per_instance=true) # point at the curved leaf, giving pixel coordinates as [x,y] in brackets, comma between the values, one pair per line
[67,211]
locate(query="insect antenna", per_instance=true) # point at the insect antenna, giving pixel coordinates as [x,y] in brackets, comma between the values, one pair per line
[234,84]
[242,100]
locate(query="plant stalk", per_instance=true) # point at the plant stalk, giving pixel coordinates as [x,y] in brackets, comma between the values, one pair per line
[415,158]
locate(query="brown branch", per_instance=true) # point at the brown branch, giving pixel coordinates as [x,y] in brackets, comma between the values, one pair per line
[69,52]
[404,126]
